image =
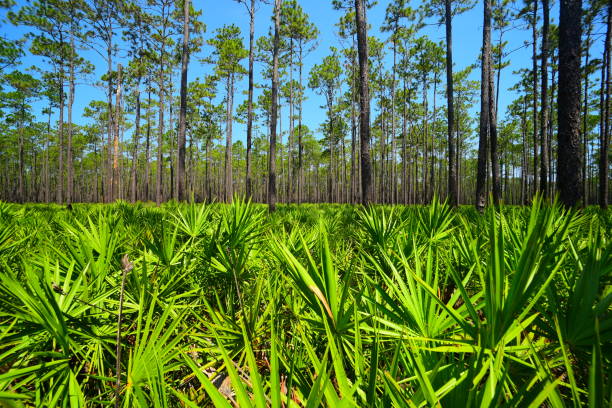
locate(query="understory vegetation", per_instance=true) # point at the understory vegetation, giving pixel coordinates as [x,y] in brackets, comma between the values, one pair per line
[313,305]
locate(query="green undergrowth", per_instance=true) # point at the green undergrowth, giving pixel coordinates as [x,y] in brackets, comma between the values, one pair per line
[314,305]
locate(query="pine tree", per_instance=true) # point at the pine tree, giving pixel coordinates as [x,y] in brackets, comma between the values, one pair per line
[228,53]
[569,167]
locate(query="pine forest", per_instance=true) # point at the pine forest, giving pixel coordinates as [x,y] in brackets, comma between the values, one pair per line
[304,203]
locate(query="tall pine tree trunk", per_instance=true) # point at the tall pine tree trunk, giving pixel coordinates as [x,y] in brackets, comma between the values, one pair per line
[364,94]
[274,111]
[392,172]
[249,182]
[109,124]
[485,102]
[300,171]
[404,150]
[534,33]
[452,166]
[551,127]
[495,170]
[160,134]
[544,103]
[47,177]
[136,138]
[228,178]
[147,164]
[290,139]
[180,174]
[585,113]
[116,174]
[20,190]
[60,147]
[524,170]
[69,164]
[605,112]
[432,155]
[207,170]
[569,167]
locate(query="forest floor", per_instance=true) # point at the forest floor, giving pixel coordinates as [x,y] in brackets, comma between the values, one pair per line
[333,305]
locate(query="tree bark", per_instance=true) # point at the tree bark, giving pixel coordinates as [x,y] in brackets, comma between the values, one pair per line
[495,168]
[228,178]
[109,124]
[544,103]
[569,167]
[274,111]
[551,116]
[432,155]
[47,145]
[534,31]
[20,190]
[524,155]
[585,102]
[300,171]
[404,148]
[116,175]
[136,138]
[207,170]
[392,172]
[290,138]
[180,174]
[364,93]
[147,169]
[605,111]
[69,164]
[172,180]
[485,102]
[60,175]
[330,170]
[249,182]
[424,184]
[452,166]
[160,135]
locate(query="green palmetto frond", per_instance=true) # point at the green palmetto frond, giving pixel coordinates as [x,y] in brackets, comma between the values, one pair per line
[314,305]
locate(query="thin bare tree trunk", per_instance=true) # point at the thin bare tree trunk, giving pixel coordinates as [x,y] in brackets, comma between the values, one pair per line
[160,135]
[136,138]
[393,178]
[228,178]
[183,109]
[544,102]
[21,192]
[249,182]
[404,151]
[116,175]
[524,156]
[452,144]
[274,111]
[300,172]
[47,145]
[432,155]
[485,101]
[147,169]
[109,124]
[493,140]
[534,30]
[585,113]
[69,164]
[605,111]
[60,175]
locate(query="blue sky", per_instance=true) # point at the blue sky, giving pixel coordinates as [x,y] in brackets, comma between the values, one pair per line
[467,37]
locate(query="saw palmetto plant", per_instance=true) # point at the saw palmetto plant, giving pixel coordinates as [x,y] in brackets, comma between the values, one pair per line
[314,305]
